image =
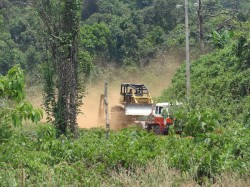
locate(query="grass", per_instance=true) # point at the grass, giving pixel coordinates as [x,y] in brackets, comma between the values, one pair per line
[155,174]
[159,174]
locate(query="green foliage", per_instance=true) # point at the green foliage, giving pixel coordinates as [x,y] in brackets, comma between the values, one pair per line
[92,152]
[133,29]
[5,132]
[215,121]
[225,82]
[63,96]
[242,50]
[135,33]
[143,3]
[246,115]
[220,40]
[20,26]
[112,7]
[195,120]
[94,38]
[176,37]
[220,151]
[12,85]
[13,108]
[6,52]
[43,158]
[165,14]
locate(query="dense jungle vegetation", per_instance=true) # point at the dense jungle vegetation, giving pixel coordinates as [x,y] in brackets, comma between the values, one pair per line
[213,148]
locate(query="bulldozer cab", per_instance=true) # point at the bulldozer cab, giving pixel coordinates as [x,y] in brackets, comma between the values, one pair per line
[135,93]
[136,99]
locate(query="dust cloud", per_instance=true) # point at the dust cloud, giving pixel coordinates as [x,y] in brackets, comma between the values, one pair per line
[156,76]
[90,108]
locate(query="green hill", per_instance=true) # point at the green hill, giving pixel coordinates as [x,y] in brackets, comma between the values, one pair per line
[220,81]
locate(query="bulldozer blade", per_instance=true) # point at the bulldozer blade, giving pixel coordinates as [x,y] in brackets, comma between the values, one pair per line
[138,109]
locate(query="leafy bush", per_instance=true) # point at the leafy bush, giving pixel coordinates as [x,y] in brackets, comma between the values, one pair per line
[214,153]
[35,155]
[219,83]
[13,108]
[215,120]
[195,120]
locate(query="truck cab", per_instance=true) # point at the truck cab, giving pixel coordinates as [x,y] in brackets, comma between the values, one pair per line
[160,118]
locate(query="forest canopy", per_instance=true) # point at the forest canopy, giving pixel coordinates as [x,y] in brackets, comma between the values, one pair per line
[126,33]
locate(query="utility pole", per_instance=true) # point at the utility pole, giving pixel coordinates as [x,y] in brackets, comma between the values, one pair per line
[187,52]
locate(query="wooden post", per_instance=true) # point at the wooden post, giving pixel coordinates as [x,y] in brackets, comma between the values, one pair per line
[101,109]
[106,109]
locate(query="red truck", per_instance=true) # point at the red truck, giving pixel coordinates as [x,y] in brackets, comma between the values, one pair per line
[160,118]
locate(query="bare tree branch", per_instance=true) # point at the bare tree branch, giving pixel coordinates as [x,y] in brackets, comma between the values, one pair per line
[222,25]
[221,13]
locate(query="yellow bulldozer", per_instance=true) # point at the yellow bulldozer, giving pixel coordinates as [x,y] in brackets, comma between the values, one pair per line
[135,102]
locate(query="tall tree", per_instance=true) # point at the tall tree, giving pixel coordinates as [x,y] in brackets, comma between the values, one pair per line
[208,9]
[62,88]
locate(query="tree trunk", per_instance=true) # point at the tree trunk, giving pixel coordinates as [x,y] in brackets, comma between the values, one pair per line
[200,26]
[62,24]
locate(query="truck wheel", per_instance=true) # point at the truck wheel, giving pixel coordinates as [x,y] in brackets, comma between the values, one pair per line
[157,129]
[149,127]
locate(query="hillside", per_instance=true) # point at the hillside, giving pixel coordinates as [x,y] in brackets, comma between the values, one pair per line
[220,82]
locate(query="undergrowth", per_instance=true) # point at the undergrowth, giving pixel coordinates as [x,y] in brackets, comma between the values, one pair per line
[35,157]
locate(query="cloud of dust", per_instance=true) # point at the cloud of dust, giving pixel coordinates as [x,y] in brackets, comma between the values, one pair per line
[90,108]
[160,72]
[156,76]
